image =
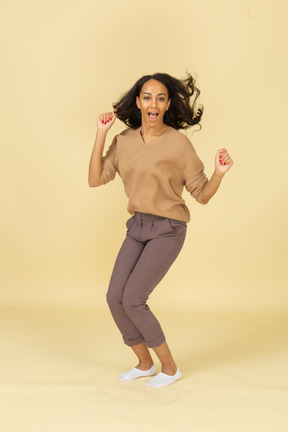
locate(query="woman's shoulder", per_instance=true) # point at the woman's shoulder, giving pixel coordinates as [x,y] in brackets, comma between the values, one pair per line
[129,132]
[180,137]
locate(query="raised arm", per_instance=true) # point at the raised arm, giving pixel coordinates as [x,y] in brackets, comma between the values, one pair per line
[104,123]
[223,163]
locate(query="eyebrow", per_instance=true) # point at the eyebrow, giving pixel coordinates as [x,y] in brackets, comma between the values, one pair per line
[157,94]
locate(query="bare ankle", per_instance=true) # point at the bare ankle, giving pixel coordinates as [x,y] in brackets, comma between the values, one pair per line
[170,369]
[145,365]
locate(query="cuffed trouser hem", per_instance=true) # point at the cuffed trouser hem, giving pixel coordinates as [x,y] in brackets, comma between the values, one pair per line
[156,342]
[133,342]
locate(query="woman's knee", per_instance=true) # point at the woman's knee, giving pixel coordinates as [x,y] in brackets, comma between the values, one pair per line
[131,302]
[113,300]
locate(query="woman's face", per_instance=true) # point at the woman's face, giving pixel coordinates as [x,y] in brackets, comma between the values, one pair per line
[153,102]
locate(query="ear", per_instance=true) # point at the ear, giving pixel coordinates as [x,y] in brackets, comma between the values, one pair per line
[138,102]
[168,104]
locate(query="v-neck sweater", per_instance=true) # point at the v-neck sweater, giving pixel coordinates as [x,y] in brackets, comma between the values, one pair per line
[154,174]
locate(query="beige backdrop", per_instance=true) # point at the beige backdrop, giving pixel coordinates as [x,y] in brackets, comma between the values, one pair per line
[223,305]
[63,63]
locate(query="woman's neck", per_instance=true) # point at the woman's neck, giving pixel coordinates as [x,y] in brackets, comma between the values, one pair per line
[147,131]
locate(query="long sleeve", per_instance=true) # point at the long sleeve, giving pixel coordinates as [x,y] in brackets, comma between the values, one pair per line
[195,178]
[109,164]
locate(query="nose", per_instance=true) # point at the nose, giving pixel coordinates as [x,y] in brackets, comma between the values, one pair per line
[154,102]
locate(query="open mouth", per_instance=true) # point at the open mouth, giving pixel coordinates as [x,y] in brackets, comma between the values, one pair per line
[152,115]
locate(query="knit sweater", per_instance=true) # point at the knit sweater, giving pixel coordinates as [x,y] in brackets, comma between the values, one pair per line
[155,174]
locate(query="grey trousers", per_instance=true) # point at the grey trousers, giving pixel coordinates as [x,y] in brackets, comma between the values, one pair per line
[151,245]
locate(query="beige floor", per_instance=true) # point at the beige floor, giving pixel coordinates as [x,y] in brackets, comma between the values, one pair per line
[59,369]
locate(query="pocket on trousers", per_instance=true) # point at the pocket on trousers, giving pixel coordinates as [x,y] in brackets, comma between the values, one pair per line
[130,222]
[176,225]
[163,227]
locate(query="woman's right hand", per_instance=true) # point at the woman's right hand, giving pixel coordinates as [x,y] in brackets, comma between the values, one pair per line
[105,121]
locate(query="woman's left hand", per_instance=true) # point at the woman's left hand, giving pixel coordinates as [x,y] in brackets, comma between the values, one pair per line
[223,161]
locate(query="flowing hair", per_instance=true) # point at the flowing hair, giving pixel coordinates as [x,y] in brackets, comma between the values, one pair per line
[182,113]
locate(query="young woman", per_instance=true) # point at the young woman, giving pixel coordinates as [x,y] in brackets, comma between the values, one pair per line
[155,162]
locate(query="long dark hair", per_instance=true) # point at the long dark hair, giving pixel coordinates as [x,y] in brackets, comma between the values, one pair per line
[181,113]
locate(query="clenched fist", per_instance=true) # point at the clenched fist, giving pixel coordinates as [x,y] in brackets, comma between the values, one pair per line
[106,120]
[223,161]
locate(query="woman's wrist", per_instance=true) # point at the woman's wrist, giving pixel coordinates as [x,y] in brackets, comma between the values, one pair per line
[101,133]
[218,173]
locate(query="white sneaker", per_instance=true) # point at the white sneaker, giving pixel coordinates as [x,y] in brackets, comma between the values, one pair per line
[162,380]
[136,373]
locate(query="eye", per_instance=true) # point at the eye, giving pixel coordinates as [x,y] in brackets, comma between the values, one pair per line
[146,97]
[161,99]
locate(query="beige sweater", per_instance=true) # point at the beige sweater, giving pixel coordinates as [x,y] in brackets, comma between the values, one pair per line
[154,174]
